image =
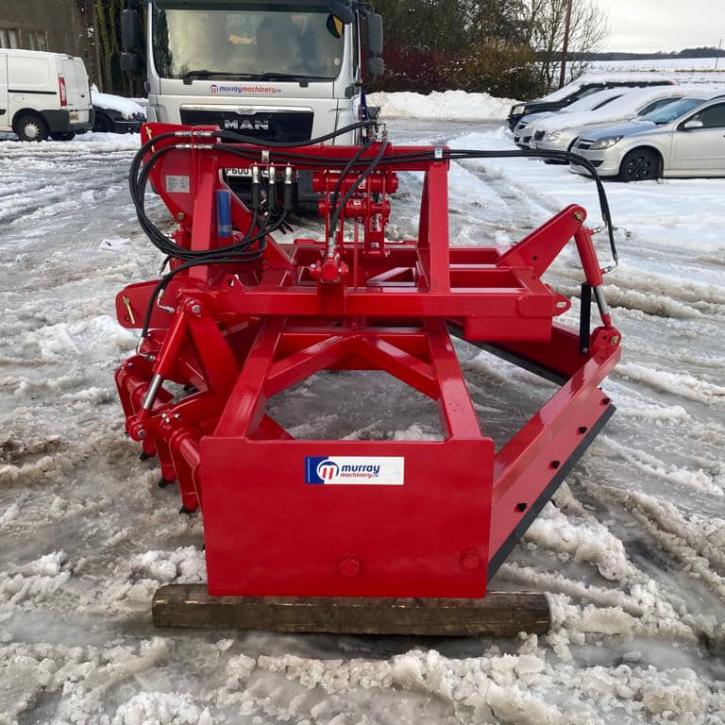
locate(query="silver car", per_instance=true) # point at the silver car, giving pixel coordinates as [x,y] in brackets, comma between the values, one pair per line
[684,138]
[559,132]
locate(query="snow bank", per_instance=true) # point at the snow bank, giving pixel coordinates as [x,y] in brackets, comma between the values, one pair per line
[450,105]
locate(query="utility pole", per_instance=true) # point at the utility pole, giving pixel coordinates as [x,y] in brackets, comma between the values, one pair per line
[717,57]
[565,49]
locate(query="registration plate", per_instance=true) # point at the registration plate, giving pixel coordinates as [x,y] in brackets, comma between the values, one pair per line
[245,173]
[74,116]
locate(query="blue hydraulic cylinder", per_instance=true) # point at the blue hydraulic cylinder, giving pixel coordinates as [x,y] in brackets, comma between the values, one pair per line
[224,213]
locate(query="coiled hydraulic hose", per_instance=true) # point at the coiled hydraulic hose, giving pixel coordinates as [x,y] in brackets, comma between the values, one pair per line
[241,252]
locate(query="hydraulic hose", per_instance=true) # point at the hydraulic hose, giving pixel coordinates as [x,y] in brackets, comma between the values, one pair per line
[241,252]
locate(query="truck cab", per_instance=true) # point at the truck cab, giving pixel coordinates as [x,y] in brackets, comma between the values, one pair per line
[276,70]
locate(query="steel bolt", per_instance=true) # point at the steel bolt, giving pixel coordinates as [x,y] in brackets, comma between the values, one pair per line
[349,566]
[471,561]
[196,309]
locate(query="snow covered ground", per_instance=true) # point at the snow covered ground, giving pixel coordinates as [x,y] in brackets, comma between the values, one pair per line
[633,552]
[676,65]
[682,70]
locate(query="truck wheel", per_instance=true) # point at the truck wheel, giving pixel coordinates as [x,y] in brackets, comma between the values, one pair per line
[30,127]
[640,165]
[63,136]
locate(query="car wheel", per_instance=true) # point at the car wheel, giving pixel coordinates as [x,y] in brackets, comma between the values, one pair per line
[31,128]
[63,136]
[103,123]
[639,165]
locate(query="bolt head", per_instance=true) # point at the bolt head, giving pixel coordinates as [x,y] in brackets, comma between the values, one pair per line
[471,561]
[196,309]
[349,566]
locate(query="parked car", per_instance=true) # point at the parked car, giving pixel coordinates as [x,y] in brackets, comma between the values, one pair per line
[558,133]
[572,92]
[684,138]
[43,95]
[522,132]
[116,114]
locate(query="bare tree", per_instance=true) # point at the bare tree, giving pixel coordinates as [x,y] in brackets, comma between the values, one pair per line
[545,27]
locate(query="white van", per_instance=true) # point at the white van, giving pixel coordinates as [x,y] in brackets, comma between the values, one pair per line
[43,95]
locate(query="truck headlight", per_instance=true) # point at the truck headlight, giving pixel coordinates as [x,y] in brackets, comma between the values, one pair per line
[605,143]
[518,108]
[553,136]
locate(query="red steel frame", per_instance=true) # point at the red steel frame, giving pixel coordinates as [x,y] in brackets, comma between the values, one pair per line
[240,337]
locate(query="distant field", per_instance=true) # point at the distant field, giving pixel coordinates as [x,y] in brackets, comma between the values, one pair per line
[684,69]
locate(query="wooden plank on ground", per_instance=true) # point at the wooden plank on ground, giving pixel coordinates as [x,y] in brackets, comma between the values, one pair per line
[500,614]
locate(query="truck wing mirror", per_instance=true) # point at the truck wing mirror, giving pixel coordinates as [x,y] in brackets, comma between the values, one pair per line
[376,67]
[128,62]
[375,33]
[342,10]
[130,31]
[692,123]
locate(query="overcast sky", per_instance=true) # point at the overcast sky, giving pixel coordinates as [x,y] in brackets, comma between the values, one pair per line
[664,24]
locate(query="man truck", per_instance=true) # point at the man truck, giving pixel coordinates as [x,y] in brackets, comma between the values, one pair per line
[276,70]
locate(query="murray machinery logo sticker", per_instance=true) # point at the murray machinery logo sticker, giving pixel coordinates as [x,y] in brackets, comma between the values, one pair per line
[365,470]
[243,89]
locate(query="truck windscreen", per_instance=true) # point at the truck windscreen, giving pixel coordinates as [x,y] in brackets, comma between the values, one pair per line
[246,40]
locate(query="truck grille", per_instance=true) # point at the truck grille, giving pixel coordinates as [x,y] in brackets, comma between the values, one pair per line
[290,126]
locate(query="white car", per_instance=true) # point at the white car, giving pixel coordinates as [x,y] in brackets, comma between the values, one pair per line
[43,95]
[559,133]
[581,87]
[594,101]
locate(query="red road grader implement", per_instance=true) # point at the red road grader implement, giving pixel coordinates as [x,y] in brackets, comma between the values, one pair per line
[389,537]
